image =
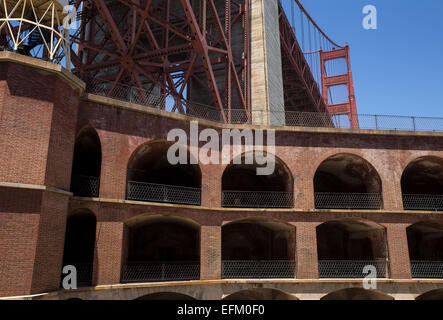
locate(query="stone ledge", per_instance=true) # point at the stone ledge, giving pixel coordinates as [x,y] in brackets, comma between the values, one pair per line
[44,65]
[256,210]
[318,283]
[34,187]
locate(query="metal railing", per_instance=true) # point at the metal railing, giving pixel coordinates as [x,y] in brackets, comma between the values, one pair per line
[164,102]
[85,186]
[257,199]
[84,273]
[351,268]
[431,202]
[335,200]
[427,269]
[160,271]
[152,192]
[365,121]
[258,269]
[290,118]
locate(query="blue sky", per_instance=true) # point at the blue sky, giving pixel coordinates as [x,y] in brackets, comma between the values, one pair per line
[398,68]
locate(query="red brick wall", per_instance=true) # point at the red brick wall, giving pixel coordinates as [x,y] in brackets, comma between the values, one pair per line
[62,136]
[19,227]
[25,125]
[37,129]
[109,251]
[210,252]
[397,241]
[306,250]
[40,116]
[50,243]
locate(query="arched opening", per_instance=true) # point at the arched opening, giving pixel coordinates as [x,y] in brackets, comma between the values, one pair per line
[258,248]
[162,248]
[166,296]
[431,295]
[260,294]
[86,165]
[351,249]
[151,177]
[425,242]
[346,181]
[422,184]
[243,187]
[80,245]
[357,294]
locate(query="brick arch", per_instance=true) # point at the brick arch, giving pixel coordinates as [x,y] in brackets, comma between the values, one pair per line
[79,246]
[357,294]
[87,163]
[241,182]
[260,294]
[353,157]
[151,177]
[259,239]
[436,294]
[413,156]
[425,241]
[347,181]
[344,242]
[435,161]
[162,296]
[161,248]
[317,161]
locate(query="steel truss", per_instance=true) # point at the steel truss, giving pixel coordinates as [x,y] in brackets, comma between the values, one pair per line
[193,49]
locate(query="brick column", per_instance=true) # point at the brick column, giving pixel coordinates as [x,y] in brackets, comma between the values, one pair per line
[210,252]
[211,185]
[397,242]
[109,252]
[306,250]
[392,195]
[50,243]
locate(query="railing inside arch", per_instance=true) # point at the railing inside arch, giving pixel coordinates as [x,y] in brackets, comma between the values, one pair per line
[258,269]
[85,186]
[160,271]
[431,202]
[352,268]
[257,199]
[84,273]
[334,200]
[153,192]
[427,269]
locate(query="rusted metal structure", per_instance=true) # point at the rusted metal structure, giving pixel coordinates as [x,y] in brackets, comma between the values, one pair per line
[185,56]
[198,50]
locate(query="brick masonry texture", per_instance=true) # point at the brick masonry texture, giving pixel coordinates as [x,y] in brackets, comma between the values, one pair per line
[40,116]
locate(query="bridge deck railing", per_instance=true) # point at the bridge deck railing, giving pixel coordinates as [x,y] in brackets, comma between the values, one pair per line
[239,116]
